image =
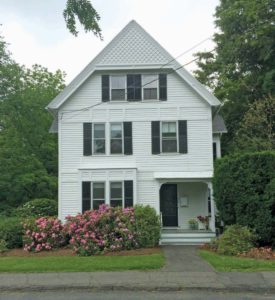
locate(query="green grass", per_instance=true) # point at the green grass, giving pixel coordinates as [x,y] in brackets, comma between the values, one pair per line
[237,264]
[81,264]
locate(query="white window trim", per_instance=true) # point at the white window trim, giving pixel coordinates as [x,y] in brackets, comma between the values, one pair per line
[125,87]
[93,137]
[177,136]
[122,137]
[144,87]
[122,191]
[92,193]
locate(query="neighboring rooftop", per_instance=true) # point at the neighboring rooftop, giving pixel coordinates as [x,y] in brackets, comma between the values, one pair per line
[218,125]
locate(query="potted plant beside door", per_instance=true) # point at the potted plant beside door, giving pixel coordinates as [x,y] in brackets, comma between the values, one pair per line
[204,220]
[193,224]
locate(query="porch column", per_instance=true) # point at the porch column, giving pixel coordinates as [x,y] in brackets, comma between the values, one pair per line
[212,218]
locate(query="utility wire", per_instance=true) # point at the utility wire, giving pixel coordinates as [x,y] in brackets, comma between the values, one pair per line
[162,66]
[91,106]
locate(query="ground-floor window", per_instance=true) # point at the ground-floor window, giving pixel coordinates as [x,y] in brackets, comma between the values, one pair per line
[120,193]
[98,194]
[116,194]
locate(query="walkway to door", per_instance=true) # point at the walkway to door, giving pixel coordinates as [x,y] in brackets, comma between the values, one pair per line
[184,259]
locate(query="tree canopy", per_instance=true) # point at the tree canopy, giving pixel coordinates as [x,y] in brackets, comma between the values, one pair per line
[84,12]
[28,153]
[241,70]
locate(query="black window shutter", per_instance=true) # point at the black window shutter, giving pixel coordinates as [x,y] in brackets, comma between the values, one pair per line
[163,87]
[214,151]
[183,137]
[105,84]
[86,195]
[155,128]
[87,139]
[128,140]
[128,193]
[134,87]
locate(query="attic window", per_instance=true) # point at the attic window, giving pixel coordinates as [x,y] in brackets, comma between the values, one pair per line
[150,87]
[118,87]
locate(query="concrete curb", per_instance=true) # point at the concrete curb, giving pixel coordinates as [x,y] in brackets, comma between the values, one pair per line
[232,289]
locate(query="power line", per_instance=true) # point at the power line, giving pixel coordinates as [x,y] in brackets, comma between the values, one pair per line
[91,106]
[162,66]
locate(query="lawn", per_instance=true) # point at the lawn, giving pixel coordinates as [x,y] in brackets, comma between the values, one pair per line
[81,264]
[237,264]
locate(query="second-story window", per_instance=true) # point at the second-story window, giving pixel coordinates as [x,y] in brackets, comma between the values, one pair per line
[116,134]
[99,139]
[118,87]
[169,139]
[150,87]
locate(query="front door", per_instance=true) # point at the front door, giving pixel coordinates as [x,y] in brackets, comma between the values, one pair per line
[169,204]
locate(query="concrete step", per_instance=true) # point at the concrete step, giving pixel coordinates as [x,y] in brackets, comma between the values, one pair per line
[186,238]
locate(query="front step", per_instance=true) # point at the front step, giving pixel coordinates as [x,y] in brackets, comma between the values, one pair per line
[186,238]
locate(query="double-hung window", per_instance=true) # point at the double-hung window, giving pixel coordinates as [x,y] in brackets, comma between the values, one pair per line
[98,194]
[150,87]
[169,140]
[116,194]
[99,138]
[118,87]
[116,134]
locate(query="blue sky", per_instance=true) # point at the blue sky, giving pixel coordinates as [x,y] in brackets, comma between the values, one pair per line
[36,31]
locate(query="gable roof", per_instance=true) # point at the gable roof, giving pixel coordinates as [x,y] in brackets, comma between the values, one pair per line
[132,48]
[218,125]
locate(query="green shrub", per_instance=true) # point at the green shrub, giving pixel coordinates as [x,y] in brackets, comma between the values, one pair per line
[11,231]
[3,246]
[6,210]
[147,225]
[38,208]
[235,240]
[245,193]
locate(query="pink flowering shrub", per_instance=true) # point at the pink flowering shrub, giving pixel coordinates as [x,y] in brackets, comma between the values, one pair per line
[105,229]
[43,234]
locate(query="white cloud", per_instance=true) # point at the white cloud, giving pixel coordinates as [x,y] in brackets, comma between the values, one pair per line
[176,24]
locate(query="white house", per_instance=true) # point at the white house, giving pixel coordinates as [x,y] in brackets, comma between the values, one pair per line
[135,127]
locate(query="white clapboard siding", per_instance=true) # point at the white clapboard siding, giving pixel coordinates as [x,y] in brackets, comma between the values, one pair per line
[183,104]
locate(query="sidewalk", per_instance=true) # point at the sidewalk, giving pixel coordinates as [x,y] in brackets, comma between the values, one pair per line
[184,270]
[135,280]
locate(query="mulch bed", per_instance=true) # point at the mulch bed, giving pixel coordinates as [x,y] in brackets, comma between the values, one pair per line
[68,252]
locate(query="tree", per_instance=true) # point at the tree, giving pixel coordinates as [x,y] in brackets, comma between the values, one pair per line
[257,130]
[244,192]
[28,152]
[241,70]
[86,15]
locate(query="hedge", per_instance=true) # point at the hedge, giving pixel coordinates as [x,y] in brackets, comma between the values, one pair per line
[42,207]
[11,231]
[244,190]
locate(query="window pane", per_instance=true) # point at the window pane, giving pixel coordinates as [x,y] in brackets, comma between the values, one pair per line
[118,82]
[169,145]
[99,131]
[116,130]
[116,146]
[115,203]
[118,94]
[116,190]
[169,129]
[97,203]
[99,146]
[150,93]
[98,190]
[150,81]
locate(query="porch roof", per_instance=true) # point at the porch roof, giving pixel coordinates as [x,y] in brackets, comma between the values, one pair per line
[183,175]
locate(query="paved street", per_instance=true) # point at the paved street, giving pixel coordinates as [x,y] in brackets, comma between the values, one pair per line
[135,295]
